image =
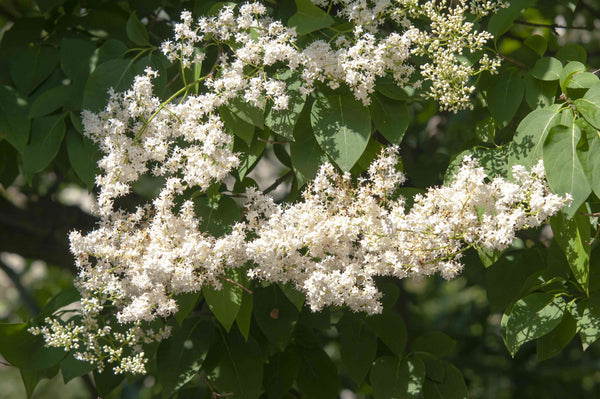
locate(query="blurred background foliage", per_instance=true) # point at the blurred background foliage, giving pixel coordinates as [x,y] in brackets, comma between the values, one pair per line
[50,52]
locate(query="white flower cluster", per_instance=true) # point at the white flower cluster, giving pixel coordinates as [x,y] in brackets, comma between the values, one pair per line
[333,243]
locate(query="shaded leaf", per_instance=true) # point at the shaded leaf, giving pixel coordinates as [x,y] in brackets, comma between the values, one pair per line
[309,18]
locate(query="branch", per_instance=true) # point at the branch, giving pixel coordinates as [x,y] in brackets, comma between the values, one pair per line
[518,63]
[593,11]
[553,26]
[279,181]
[26,297]
[272,142]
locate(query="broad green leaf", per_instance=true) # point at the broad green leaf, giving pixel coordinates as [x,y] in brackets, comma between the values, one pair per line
[539,93]
[528,141]
[504,98]
[505,278]
[532,317]
[435,368]
[572,235]
[293,294]
[571,52]
[240,367]
[72,368]
[305,152]
[26,351]
[547,68]
[31,66]
[107,381]
[179,358]
[358,346]
[217,216]
[46,138]
[110,49]
[587,152]
[77,55]
[275,315]
[283,121]
[390,117]
[434,342]
[63,298]
[488,256]
[247,111]
[9,169]
[226,302]
[551,344]
[568,71]
[588,325]
[393,378]
[186,303]
[563,168]
[250,154]
[493,160]
[392,89]
[136,31]
[582,81]
[589,106]
[317,376]
[116,74]
[453,386]
[280,372]
[48,102]
[83,155]
[244,316]
[236,125]
[309,18]
[537,43]
[485,130]
[14,120]
[501,21]
[390,329]
[342,126]
[31,377]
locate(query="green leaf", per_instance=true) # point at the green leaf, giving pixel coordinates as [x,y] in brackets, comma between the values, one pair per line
[26,351]
[136,31]
[107,381]
[309,18]
[342,126]
[275,315]
[217,216]
[280,372]
[84,156]
[31,377]
[582,81]
[571,52]
[63,298]
[77,55]
[453,386]
[390,117]
[305,152]
[539,93]
[563,168]
[504,98]
[493,161]
[589,106]
[434,342]
[31,66]
[588,325]
[537,43]
[240,367]
[527,144]
[250,154]
[551,344]
[283,121]
[236,125]
[186,303]
[547,68]
[572,235]
[46,138]
[14,120]
[48,102]
[293,294]
[485,130]
[390,329]
[247,111]
[568,71]
[358,346]
[72,368]
[587,152]
[392,89]
[179,358]
[9,169]
[226,302]
[244,316]
[317,377]
[501,21]
[116,74]
[532,317]
[393,378]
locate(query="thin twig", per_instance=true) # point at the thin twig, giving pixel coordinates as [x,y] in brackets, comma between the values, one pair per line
[552,26]
[279,181]
[272,142]
[215,394]
[6,364]
[234,282]
[28,300]
[172,80]
[507,58]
